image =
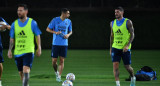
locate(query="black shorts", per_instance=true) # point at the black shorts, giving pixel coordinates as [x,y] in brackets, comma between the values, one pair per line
[59,51]
[24,60]
[118,54]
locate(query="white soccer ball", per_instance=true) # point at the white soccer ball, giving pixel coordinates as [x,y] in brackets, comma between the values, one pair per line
[2,23]
[67,83]
[70,76]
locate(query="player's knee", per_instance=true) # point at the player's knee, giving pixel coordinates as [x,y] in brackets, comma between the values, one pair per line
[61,62]
[115,65]
[54,62]
[26,69]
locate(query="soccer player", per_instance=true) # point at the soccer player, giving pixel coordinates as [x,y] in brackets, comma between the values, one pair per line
[61,28]
[22,35]
[2,29]
[122,35]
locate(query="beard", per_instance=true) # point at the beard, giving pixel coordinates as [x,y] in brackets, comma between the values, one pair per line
[21,17]
[117,17]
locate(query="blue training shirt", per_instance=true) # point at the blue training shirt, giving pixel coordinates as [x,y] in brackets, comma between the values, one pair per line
[1,19]
[119,23]
[64,26]
[34,27]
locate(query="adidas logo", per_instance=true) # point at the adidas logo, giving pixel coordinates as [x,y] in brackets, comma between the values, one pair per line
[21,33]
[118,31]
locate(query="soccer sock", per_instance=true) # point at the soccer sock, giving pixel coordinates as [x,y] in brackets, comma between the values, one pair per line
[133,78]
[25,79]
[57,73]
[118,83]
[59,76]
[0,82]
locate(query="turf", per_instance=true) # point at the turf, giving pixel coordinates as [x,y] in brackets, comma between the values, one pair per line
[91,67]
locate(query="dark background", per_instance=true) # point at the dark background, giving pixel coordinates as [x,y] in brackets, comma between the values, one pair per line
[90,19]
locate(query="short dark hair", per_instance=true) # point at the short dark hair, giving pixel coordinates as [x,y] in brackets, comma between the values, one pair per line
[23,5]
[120,8]
[64,10]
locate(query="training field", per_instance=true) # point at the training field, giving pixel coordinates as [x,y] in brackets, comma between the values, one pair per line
[91,67]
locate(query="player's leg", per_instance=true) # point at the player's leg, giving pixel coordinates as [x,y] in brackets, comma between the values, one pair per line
[116,72]
[1,65]
[60,68]
[54,64]
[127,63]
[54,55]
[27,65]
[21,74]
[26,71]
[19,64]
[116,57]
[1,70]
[62,55]
[61,65]
[130,70]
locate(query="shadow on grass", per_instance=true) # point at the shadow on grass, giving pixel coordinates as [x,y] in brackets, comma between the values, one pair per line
[42,76]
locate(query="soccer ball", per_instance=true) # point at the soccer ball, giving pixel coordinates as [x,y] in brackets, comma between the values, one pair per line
[67,83]
[70,76]
[2,23]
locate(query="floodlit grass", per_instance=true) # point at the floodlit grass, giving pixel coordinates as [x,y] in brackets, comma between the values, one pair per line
[91,68]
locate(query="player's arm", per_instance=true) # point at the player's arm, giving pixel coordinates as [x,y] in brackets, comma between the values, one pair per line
[51,26]
[37,32]
[8,27]
[131,31]
[4,27]
[69,30]
[111,38]
[38,41]
[68,35]
[11,44]
[52,31]
[12,41]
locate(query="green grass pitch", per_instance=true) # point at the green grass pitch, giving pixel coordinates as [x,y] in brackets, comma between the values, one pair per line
[91,68]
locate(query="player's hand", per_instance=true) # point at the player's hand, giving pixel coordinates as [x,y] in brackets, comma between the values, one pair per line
[9,54]
[66,36]
[59,32]
[125,49]
[3,27]
[110,51]
[38,52]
